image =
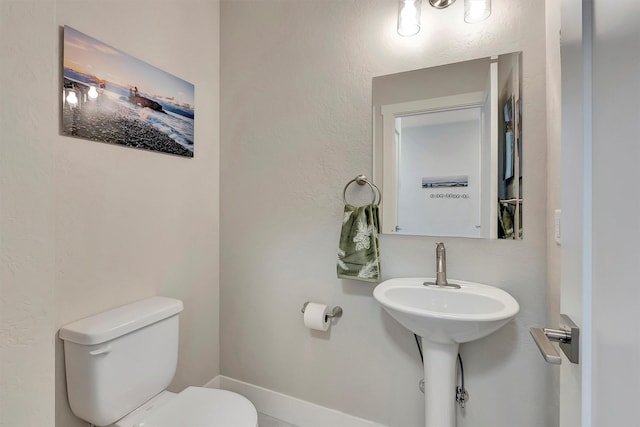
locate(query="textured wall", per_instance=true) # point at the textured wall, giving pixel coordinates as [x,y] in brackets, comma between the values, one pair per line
[128,223]
[133,223]
[295,127]
[28,127]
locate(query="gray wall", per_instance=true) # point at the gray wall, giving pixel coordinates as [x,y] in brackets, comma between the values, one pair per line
[88,226]
[27,219]
[132,223]
[295,127]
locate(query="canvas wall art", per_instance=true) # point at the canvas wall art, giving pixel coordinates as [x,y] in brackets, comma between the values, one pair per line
[110,96]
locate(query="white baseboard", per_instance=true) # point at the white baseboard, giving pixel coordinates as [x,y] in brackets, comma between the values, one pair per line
[214,383]
[290,409]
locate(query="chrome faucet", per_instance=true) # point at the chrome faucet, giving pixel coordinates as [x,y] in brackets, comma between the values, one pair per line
[441,265]
[441,270]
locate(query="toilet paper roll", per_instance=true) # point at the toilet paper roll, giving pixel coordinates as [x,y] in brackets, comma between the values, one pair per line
[315,316]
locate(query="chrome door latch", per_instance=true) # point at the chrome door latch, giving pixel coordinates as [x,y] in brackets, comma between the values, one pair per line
[568,335]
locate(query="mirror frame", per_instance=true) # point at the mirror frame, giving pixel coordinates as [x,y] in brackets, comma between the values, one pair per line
[461,92]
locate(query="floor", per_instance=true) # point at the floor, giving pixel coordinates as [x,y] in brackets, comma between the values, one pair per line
[267,421]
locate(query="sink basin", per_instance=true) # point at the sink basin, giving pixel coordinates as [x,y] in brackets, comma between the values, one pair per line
[444,318]
[446,315]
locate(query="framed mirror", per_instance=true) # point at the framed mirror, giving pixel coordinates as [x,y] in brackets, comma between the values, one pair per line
[447,149]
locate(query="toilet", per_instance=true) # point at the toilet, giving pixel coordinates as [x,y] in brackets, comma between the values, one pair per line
[119,363]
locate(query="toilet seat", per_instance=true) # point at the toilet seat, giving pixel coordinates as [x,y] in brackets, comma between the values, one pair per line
[203,407]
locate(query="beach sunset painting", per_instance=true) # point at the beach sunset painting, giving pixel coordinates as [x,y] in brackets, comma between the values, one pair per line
[110,96]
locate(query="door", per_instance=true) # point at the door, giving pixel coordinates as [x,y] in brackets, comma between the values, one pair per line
[614,290]
[600,239]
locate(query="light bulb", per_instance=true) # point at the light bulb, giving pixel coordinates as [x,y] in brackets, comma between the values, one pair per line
[72,99]
[409,17]
[476,10]
[93,93]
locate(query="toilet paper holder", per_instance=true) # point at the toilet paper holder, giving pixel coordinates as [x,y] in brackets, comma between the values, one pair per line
[335,311]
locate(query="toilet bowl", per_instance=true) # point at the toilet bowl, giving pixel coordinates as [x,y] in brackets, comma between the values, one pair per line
[119,363]
[194,407]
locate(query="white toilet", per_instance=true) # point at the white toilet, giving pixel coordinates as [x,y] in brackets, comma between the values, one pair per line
[119,363]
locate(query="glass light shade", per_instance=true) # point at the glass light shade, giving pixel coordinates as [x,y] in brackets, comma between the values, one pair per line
[476,10]
[72,99]
[409,17]
[93,93]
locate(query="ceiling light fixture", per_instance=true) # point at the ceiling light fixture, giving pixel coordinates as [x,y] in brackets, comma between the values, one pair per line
[409,13]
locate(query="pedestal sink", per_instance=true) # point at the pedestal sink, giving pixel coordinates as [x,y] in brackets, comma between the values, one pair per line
[444,317]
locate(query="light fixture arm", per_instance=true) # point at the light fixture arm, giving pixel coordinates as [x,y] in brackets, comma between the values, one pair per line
[441,4]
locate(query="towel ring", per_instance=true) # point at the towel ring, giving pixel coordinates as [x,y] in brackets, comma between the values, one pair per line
[362,180]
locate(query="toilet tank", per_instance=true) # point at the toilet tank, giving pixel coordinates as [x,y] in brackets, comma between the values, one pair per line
[119,359]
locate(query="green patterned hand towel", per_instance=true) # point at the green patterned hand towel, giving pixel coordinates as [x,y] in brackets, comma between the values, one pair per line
[358,253]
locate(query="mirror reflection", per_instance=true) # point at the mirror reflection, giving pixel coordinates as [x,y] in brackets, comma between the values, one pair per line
[447,149]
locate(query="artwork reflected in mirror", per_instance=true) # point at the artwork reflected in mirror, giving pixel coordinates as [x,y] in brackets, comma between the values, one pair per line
[447,149]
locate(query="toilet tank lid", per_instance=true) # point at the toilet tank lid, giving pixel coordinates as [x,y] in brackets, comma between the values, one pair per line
[120,321]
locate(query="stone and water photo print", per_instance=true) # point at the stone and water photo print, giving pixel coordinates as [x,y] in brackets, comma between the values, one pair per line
[110,96]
